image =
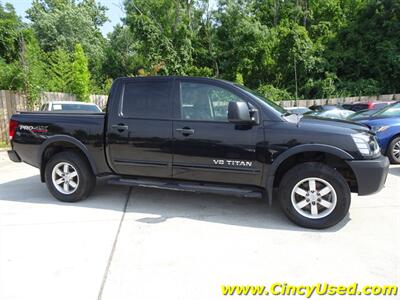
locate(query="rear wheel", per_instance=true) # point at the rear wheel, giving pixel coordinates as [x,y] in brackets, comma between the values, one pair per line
[394,151]
[69,177]
[314,195]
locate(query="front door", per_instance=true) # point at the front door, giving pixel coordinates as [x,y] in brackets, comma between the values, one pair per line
[139,133]
[206,146]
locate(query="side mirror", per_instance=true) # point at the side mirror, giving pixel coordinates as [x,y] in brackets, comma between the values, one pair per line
[239,113]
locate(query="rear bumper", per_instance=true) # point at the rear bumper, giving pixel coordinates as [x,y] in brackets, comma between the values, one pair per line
[13,156]
[370,174]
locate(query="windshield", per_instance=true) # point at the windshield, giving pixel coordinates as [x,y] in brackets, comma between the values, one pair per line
[270,103]
[363,113]
[389,111]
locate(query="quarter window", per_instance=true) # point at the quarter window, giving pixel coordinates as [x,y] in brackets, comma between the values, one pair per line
[148,99]
[206,102]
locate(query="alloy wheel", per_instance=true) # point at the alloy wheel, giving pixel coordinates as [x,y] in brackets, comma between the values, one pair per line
[65,178]
[396,150]
[314,198]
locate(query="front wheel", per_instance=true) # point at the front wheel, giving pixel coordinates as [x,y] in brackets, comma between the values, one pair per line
[394,151]
[314,195]
[69,177]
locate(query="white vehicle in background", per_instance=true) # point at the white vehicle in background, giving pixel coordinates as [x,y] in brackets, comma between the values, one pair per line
[298,110]
[70,106]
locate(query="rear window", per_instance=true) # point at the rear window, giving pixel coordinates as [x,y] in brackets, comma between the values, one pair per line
[347,106]
[380,105]
[357,107]
[76,107]
[148,99]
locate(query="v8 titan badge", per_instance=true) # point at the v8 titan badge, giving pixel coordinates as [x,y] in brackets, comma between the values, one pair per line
[233,163]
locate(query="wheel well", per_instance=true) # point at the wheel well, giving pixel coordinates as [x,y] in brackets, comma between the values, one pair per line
[329,159]
[55,148]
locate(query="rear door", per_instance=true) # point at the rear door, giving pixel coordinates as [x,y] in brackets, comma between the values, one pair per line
[139,133]
[206,146]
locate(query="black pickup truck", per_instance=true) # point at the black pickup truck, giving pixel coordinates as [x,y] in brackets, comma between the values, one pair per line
[203,135]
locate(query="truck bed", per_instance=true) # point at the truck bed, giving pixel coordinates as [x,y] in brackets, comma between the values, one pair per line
[36,129]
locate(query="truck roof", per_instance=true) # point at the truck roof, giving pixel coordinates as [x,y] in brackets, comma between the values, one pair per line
[176,77]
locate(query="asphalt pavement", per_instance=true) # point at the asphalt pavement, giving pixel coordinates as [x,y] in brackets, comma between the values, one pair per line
[148,244]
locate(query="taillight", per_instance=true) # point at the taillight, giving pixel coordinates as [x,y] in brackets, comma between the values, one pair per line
[371,105]
[12,128]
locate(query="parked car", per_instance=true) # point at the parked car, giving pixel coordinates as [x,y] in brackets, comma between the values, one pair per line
[375,105]
[340,114]
[204,135]
[70,106]
[324,107]
[386,124]
[299,110]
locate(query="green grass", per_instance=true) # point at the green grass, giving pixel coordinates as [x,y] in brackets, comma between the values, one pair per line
[3,145]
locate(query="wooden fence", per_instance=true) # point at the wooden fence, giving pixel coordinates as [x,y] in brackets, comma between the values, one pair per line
[11,101]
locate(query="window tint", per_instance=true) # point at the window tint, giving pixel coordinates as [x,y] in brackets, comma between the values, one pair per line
[148,99]
[206,102]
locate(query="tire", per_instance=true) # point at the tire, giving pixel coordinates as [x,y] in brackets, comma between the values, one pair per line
[393,151]
[317,205]
[77,184]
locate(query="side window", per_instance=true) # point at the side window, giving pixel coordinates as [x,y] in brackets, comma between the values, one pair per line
[206,102]
[147,99]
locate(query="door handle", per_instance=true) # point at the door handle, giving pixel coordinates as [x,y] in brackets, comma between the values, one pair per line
[186,131]
[120,127]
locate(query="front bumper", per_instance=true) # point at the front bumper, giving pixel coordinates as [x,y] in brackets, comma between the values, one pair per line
[370,174]
[13,156]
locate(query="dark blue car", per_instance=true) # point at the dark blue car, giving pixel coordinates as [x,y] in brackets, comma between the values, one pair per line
[386,124]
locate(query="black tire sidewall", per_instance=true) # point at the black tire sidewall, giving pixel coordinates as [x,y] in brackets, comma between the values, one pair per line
[86,177]
[393,159]
[318,170]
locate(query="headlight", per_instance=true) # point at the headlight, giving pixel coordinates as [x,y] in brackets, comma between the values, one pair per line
[366,144]
[379,128]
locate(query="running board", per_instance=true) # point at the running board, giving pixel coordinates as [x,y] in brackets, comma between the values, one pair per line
[189,186]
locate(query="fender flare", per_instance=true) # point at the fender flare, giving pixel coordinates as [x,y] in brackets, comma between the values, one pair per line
[270,175]
[68,139]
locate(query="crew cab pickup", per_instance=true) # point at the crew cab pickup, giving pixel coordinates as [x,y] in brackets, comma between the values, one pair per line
[203,135]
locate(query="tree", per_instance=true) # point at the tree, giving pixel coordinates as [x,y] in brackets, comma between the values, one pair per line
[282,48]
[61,24]
[366,52]
[10,28]
[166,31]
[32,70]
[122,54]
[10,78]
[295,57]
[80,76]
[59,69]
